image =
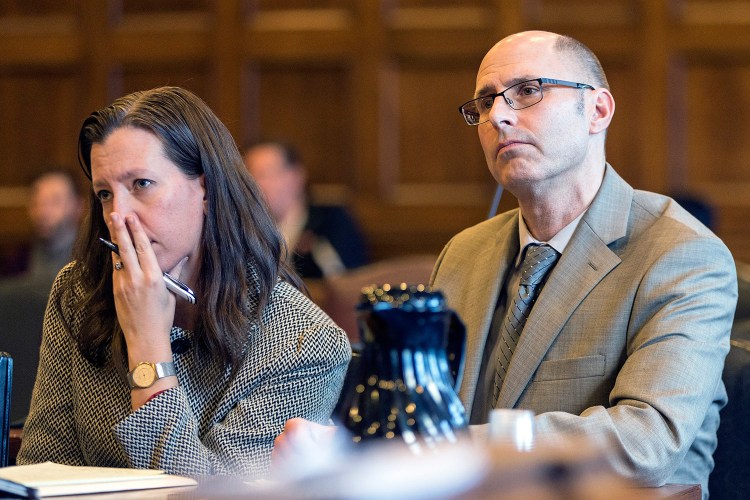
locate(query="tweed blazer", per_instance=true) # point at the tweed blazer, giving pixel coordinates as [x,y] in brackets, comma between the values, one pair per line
[214,422]
[626,341]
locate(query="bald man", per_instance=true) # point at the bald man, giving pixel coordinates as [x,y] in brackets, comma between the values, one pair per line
[604,309]
[626,339]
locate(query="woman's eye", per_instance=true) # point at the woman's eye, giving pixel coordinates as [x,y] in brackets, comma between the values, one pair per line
[103,195]
[142,183]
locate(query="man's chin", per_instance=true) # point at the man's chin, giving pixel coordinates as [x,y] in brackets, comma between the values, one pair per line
[509,173]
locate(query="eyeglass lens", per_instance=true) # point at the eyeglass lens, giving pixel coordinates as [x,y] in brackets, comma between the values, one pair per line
[519,96]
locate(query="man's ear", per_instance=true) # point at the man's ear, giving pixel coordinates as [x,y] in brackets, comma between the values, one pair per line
[604,110]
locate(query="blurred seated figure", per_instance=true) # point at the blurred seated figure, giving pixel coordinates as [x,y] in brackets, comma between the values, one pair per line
[54,210]
[697,207]
[323,241]
[729,479]
[22,305]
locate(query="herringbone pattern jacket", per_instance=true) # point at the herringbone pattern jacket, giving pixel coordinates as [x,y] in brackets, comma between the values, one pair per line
[214,422]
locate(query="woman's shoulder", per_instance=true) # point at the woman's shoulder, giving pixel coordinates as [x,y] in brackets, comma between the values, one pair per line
[67,290]
[289,303]
[291,319]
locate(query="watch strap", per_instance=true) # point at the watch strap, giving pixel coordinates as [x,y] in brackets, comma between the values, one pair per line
[162,369]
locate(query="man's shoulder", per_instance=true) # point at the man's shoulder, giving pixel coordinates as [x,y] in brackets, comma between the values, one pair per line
[490,228]
[657,209]
[478,246]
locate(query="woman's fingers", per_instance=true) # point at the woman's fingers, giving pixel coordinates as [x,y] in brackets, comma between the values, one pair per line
[142,247]
[119,235]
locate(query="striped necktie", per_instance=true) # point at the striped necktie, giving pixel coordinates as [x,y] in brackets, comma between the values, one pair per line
[537,263]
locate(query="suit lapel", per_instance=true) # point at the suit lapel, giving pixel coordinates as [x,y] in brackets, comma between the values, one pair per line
[486,278]
[585,262]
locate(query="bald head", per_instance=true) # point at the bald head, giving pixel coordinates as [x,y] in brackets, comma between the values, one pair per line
[552,148]
[571,51]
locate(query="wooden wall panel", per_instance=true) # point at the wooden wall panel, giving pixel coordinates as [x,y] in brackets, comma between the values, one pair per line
[627,129]
[717,149]
[34,7]
[719,101]
[162,6]
[428,108]
[38,111]
[132,77]
[368,89]
[310,106]
[712,111]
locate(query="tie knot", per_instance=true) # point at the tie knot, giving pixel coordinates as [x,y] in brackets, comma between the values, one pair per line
[537,262]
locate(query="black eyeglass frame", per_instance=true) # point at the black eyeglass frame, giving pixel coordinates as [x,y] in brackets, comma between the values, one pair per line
[509,102]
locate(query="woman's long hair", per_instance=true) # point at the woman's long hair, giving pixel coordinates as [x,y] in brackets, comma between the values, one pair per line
[237,232]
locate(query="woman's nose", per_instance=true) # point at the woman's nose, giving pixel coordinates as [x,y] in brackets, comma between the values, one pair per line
[121,205]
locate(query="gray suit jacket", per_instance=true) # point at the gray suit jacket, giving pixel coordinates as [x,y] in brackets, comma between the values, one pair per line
[627,340]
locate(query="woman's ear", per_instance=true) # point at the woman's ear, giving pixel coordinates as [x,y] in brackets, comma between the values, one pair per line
[604,110]
[202,180]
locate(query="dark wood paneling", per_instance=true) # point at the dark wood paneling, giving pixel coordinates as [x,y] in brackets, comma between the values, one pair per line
[144,76]
[427,108]
[627,129]
[368,89]
[39,111]
[310,106]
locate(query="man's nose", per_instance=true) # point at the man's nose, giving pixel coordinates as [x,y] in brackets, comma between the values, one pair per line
[502,113]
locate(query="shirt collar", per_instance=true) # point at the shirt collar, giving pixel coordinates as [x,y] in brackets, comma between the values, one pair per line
[558,241]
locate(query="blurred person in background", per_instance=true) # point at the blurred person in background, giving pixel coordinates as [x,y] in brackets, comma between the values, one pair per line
[54,210]
[323,240]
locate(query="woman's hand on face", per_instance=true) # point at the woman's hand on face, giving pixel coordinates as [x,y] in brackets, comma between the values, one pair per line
[145,309]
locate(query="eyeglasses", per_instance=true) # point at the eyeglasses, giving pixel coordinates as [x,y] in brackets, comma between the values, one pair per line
[519,96]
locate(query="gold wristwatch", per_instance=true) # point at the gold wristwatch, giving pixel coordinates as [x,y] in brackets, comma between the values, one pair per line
[145,374]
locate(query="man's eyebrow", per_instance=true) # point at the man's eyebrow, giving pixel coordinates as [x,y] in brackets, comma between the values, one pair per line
[490,89]
[485,90]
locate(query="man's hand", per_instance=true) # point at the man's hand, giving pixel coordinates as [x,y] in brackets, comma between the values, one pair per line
[298,442]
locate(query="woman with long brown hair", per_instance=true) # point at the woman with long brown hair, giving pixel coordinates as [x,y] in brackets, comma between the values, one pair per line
[131,375]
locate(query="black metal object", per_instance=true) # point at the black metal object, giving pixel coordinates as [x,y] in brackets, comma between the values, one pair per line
[403,383]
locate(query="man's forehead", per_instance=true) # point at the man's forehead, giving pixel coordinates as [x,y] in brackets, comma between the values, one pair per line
[501,66]
[499,74]
[526,52]
[504,69]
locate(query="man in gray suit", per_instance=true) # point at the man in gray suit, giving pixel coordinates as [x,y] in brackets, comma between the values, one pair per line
[626,340]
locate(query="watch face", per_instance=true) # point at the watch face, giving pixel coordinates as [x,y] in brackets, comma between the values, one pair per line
[144,375]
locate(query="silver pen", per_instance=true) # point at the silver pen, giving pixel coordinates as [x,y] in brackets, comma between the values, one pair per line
[174,285]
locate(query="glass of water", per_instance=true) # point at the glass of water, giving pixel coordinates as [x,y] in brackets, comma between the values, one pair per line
[513,427]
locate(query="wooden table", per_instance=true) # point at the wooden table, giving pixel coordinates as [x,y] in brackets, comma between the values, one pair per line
[585,476]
